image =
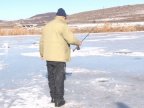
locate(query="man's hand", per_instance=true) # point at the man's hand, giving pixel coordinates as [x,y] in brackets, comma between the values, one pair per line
[78,46]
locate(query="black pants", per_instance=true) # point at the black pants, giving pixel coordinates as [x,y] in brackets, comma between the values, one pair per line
[56,76]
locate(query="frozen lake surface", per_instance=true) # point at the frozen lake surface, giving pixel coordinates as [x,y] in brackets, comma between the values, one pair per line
[108,72]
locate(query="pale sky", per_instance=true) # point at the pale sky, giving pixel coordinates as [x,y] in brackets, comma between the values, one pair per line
[21,9]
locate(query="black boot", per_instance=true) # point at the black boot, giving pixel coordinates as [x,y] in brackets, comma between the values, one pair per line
[52,100]
[59,103]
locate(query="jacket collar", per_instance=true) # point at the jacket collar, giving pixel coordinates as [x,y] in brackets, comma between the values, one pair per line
[60,18]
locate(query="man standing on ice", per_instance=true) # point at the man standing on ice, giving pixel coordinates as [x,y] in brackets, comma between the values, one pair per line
[55,49]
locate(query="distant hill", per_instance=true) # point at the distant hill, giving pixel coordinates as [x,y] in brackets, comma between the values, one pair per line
[39,19]
[128,13]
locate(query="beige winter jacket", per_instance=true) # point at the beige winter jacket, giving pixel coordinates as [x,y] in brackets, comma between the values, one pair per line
[56,39]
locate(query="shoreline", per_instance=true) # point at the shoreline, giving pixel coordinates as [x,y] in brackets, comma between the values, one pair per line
[78,28]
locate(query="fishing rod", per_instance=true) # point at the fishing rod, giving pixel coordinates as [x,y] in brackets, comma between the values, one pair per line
[78,47]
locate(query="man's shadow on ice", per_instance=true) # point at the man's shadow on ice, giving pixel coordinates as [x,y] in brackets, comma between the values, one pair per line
[121,105]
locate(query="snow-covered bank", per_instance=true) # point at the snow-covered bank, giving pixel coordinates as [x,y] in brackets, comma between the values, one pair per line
[102,24]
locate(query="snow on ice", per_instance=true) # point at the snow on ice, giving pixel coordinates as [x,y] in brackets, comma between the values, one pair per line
[106,73]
